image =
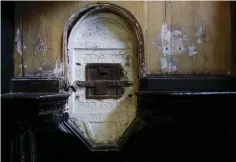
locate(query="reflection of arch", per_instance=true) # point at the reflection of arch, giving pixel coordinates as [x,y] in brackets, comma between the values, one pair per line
[94,8]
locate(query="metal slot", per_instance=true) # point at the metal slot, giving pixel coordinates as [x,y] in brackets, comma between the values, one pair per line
[103,80]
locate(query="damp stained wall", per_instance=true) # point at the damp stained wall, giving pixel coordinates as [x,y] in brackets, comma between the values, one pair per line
[179,37]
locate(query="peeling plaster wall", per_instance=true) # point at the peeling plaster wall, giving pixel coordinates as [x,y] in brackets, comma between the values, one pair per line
[187,38]
[175,41]
[179,37]
[18,41]
[47,69]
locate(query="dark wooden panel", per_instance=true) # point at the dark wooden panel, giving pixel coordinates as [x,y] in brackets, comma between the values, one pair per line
[188,83]
[35,85]
[7,48]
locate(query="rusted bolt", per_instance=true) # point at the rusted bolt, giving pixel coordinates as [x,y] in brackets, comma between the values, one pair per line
[129,83]
[77,97]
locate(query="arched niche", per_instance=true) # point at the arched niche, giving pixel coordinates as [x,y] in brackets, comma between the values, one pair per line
[102,33]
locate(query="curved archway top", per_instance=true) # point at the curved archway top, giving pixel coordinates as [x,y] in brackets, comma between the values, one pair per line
[101,27]
[104,7]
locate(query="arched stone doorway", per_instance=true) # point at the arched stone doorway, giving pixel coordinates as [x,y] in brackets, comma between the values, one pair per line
[102,42]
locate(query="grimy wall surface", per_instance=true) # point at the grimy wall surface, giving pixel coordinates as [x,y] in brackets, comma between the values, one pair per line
[180,37]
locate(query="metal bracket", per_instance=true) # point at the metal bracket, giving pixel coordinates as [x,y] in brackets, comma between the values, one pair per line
[96,83]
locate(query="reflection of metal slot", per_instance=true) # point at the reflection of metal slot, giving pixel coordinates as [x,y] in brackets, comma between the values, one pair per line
[103,80]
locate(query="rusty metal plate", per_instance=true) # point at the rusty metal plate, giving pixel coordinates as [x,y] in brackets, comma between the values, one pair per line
[103,72]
